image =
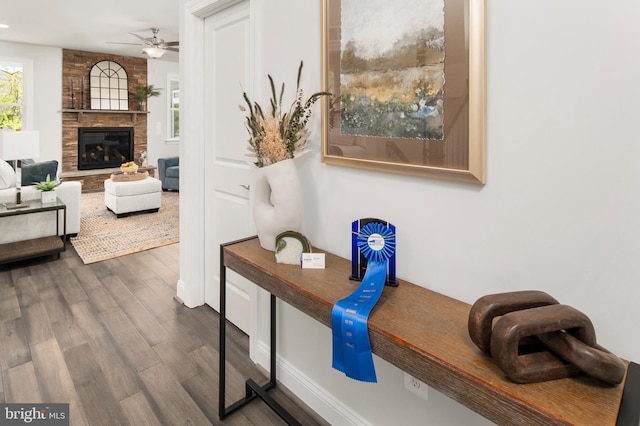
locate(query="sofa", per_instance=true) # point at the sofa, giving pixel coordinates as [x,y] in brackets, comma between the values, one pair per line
[169,172]
[24,227]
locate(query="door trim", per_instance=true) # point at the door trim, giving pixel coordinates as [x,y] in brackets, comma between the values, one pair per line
[192,222]
[193,251]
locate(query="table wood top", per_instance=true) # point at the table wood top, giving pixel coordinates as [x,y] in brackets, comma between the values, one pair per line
[425,334]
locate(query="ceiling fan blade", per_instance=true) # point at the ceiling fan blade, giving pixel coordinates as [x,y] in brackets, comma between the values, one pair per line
[117,42]
[171,43]
[172,49]
[138,36]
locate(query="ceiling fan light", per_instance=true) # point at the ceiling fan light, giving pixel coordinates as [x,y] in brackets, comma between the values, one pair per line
[154,52]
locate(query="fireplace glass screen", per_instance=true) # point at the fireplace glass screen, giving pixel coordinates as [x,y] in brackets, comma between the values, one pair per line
[104,147]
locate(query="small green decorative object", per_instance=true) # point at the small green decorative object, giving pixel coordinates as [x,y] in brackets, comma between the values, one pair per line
[289,246]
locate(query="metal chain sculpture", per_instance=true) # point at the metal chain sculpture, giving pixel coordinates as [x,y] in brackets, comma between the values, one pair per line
[535,339]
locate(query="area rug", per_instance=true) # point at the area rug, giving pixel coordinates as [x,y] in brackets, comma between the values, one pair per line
[102,236]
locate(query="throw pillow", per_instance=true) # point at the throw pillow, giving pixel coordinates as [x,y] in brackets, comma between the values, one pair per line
[37,172]
[7,175]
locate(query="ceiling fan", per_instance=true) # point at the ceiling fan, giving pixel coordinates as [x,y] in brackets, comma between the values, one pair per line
[154,46]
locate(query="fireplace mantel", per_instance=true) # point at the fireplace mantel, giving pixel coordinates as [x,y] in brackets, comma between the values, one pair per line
[79,113]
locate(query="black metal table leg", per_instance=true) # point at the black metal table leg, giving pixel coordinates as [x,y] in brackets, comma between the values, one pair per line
[252,389]
[223,334]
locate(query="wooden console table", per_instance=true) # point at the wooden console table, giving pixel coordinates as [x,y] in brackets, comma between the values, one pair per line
[425,334]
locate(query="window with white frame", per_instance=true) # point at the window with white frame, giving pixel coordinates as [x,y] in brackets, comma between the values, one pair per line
[173,116]
[11,95]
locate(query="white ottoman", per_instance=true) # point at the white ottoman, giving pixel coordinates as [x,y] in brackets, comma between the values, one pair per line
[123,198]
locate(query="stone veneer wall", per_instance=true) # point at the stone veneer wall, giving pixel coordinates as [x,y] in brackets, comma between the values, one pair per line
[76,65]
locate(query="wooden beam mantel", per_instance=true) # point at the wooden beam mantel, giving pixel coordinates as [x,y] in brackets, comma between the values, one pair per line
[425,334]
[79,113]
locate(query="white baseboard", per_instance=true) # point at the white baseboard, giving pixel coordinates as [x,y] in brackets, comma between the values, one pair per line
[315,396]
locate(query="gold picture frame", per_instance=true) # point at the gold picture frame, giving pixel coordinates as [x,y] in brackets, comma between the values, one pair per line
[455,148]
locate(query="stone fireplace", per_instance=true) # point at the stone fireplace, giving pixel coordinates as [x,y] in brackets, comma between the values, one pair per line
[79,121]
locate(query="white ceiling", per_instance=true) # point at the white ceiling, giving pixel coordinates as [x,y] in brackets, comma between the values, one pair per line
[90,24]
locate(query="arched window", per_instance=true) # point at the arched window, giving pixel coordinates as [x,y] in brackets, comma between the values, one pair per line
[109,88]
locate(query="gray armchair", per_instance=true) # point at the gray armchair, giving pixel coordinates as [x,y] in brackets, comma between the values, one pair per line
[169,171]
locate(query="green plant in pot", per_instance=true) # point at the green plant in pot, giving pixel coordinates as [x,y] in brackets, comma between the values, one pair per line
[144,92]
[47,187]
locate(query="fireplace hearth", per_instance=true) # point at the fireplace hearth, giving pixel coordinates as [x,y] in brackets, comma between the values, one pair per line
[104,147]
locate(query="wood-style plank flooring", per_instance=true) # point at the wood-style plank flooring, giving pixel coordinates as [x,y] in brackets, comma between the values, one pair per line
[110,340]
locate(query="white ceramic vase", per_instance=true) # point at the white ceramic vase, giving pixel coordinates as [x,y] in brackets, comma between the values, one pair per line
[277,201]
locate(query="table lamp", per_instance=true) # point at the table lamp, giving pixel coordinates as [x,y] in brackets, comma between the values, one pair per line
[19,146]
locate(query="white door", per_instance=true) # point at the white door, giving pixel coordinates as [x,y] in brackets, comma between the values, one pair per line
[228,212]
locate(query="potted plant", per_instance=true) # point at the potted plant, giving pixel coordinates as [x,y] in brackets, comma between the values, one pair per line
[144,92]
[276,136]
[47,187]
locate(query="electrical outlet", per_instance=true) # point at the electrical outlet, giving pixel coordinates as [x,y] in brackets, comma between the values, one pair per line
[415,386]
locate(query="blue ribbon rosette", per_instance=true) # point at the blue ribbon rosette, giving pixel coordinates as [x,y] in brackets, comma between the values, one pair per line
[351,347]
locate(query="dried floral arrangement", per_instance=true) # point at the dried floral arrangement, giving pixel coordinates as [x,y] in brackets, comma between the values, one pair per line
[279,135]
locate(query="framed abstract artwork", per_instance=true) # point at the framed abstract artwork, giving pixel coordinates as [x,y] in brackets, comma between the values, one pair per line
[409,87]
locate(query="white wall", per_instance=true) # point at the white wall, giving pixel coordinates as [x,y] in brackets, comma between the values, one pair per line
[158,145]
[560,211]
[47,93]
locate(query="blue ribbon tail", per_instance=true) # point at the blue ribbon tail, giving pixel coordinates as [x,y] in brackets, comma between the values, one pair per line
[336,330]
[351,347]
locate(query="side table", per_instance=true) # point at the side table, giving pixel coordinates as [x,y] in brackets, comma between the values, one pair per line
[153,171]
[35,247]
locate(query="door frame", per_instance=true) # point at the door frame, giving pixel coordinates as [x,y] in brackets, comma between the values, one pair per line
[194,253]
[238,289]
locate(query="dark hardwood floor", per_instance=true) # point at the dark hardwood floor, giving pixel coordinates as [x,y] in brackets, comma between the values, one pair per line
[110,340]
